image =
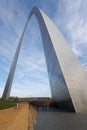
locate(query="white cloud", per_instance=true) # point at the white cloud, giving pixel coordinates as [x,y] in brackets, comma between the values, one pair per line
[31,63]
[29,88]
[12,15]
[70,17]
[72,21]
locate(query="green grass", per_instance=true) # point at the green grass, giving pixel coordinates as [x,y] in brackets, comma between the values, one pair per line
[7,104]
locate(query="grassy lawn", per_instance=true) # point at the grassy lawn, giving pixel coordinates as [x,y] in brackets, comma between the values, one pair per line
[7,104]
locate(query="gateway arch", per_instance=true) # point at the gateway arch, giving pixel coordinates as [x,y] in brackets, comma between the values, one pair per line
[67,77]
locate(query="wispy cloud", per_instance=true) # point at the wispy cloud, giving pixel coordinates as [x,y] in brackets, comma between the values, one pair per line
[72,21]
[31,74]
[31,66]
[29,88]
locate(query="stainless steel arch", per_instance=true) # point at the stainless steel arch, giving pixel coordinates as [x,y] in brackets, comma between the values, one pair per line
[67,80]
[40,19]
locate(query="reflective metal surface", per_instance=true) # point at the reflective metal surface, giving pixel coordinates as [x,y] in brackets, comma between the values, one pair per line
[68,79]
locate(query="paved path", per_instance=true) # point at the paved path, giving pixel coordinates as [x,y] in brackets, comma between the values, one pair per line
[22,118]
[54,120]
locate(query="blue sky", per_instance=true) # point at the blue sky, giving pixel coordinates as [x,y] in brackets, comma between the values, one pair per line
[31,78]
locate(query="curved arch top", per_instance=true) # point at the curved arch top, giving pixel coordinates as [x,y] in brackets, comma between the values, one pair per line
[67,80]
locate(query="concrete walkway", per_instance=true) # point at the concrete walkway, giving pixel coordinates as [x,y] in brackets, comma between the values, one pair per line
[54,120]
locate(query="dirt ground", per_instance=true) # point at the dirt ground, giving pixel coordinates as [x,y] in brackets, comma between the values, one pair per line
[22,118]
